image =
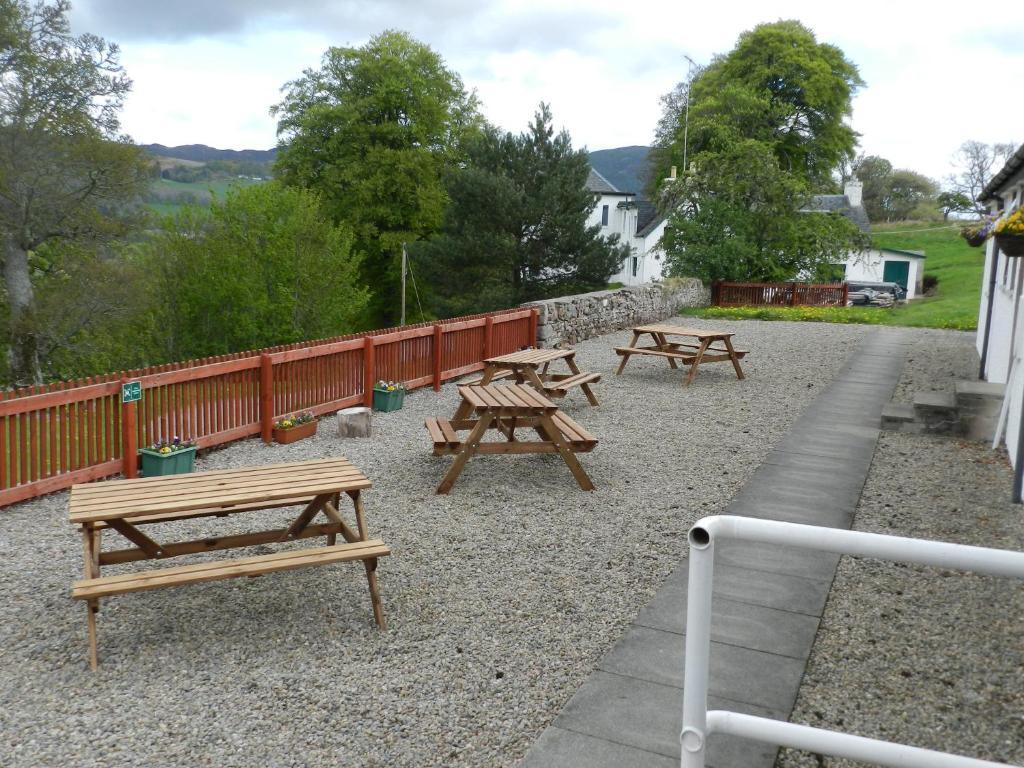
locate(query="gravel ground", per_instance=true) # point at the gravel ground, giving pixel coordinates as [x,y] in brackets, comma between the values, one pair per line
[500,597]
[917,655]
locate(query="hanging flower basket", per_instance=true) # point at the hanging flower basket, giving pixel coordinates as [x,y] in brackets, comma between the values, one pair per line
[1011,245]
[974,239]
[1009,232]
[293,428]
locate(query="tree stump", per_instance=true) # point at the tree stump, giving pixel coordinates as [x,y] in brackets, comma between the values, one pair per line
[354,422]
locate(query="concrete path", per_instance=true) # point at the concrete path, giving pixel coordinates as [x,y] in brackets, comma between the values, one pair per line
[767,599]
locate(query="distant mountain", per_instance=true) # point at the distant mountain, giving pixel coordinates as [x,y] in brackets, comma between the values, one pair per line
[625,167]
[204,154]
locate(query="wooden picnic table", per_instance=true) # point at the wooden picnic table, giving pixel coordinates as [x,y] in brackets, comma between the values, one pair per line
[506,409]
[124,506]
[684,351]
[530,366]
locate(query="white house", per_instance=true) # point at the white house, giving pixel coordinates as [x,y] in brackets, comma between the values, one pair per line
[875,265]
[638,225]
[1000,338]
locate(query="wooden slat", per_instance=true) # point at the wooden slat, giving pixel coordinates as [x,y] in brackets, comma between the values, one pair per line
[225,569]
[435,431]
[131,495]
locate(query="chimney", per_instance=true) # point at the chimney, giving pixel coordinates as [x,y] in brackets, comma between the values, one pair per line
[853,190]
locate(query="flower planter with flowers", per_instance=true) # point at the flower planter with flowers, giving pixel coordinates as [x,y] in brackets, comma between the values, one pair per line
[977,233]
[388,396]
[292,428]
[1009,232]
[168,457]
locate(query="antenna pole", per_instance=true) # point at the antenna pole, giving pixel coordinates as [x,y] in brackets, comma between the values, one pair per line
[404,267]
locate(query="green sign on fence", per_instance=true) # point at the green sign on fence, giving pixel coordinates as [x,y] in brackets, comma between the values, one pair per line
[131,391]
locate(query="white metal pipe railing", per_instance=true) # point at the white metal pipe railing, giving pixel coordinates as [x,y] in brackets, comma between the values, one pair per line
[698,723]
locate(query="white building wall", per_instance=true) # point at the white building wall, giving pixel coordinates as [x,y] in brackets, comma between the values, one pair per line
[1004,361]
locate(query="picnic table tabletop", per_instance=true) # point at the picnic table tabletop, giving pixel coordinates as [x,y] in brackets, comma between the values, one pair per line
[121,499]
[679,330]
[506,399]
[531,357]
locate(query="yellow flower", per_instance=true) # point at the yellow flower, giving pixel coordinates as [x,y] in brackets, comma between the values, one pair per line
[165,449]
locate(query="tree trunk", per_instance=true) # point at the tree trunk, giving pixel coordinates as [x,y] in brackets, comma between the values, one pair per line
[22,349]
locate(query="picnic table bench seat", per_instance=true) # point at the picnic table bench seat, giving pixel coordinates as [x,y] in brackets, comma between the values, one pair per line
[443,433]
[558,385]
[139,581]
[685,355]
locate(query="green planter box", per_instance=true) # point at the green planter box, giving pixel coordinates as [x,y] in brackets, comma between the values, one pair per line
[155,464]
[387,401]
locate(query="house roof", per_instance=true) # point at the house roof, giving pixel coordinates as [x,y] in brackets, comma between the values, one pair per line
[1014,164]
[647,218]
[598,183]
[840,204]
[901,252]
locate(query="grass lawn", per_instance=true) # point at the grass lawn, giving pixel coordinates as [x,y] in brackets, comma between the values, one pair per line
[957,266]
[167,191]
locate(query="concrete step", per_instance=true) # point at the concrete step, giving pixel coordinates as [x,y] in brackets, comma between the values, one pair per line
[938,413]
[978,398]
[895,416]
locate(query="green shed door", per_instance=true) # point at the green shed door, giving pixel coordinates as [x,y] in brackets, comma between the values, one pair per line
[896,272]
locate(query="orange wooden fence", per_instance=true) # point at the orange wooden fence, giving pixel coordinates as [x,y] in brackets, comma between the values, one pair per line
[779,294]
[71,432]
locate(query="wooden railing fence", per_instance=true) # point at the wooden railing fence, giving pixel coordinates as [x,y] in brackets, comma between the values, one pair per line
[54,436]
[779,294]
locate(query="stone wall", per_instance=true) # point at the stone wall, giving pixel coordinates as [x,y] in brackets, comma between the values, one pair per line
[569,319]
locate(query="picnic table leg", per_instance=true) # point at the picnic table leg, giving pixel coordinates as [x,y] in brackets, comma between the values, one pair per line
[735,360]
[531,376]
[332,538]
[625,355]
[371,564]
[591,397]
[90,552]
[696,362]
[662,341]
[554,434]
[468,449]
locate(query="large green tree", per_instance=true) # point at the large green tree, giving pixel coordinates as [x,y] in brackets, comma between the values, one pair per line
[373,131]
[516,229]
[265,266]
[66,175]
[779,86]
[762,127]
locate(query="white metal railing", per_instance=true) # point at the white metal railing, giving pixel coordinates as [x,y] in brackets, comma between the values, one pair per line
[699,723]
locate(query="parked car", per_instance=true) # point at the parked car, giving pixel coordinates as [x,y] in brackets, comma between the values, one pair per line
[898,292]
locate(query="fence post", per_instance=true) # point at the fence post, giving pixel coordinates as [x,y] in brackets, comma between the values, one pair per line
[534,317]
[266,397]
[129,438]
[369,369]
[716,293]
[488,331]
[792,295]
[438,354]
[846,294]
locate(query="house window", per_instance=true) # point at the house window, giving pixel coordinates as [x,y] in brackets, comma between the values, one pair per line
[636,261]
[604,215]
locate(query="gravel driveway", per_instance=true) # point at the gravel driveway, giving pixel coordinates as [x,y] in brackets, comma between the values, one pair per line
[500,597]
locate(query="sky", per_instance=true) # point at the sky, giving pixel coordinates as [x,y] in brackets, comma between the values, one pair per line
[208,71]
